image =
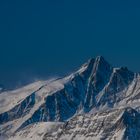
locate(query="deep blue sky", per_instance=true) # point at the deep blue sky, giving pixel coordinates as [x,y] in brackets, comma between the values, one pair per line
[41,38]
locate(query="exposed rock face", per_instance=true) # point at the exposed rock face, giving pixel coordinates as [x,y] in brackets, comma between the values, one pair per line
[110,124]
[94,102]
[19,110]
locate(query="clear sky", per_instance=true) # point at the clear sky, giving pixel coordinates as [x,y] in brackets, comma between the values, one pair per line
[42,38]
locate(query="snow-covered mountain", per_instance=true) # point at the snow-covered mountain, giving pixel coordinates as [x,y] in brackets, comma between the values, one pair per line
[96,102]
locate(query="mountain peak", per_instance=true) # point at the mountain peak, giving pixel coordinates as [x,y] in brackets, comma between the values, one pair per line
[101,63]
[96,88]
[101,72]
[100,58]
[93,62]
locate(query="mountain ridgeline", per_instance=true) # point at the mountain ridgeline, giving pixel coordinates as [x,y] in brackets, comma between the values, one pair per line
[91,92]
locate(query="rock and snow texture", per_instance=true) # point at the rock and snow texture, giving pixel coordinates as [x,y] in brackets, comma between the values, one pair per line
[97,102]
[37,131]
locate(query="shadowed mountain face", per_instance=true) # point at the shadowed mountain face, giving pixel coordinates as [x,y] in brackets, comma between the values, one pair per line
[94,102]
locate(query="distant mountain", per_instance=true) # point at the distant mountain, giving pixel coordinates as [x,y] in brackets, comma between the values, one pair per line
[97,102]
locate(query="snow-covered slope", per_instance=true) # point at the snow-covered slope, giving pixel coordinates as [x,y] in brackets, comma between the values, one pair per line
[37,131]
[96,90]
